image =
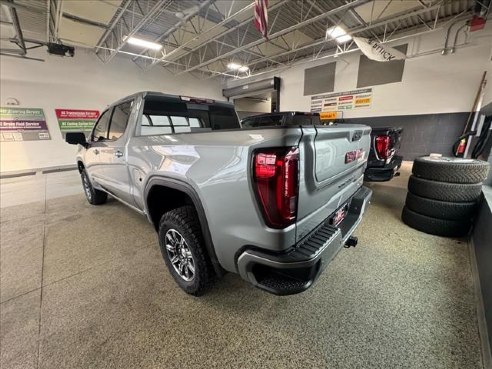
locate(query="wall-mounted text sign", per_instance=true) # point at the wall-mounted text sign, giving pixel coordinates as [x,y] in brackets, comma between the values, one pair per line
[23,124]
[339,101]
[328,115]
[75,120]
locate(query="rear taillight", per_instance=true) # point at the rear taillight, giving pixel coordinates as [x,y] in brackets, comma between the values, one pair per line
[276,181]
[383,148]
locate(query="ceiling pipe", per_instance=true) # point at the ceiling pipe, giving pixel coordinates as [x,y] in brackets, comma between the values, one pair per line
[446,49]
[453,48]
[21,57]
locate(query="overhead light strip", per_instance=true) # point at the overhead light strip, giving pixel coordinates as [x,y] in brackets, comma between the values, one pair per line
[143,43]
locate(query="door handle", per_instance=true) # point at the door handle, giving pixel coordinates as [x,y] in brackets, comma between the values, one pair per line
[118,154]
[96,151]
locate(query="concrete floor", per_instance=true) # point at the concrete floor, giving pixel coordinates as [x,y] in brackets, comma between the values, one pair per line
[85,287]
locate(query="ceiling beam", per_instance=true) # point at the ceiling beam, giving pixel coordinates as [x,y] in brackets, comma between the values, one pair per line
[179,24]
[113,24]
[207,41]
[153,12]
[280,33]
[13,5]
[351,32]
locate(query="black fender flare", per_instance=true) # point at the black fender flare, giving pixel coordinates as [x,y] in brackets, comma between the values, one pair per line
[186,188]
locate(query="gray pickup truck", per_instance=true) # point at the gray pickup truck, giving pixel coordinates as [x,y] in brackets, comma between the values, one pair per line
[272,204]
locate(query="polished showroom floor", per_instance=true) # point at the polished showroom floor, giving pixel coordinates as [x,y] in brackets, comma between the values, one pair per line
[85,287]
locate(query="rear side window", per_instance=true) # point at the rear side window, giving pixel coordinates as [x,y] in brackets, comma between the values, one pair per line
[161,116]
[100,131]
[264,121]
[155,125]
[301,120]
[119,120]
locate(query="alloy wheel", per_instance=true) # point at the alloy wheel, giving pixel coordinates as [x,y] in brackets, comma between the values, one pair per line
[180,255]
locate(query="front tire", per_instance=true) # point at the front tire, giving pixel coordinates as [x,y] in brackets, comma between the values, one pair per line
[93,196]
[182,247]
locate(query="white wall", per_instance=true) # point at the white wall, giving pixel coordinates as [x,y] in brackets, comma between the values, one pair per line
[431,83]
[82,82]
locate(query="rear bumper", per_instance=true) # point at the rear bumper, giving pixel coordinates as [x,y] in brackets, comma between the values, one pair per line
[385,173]
[297,269]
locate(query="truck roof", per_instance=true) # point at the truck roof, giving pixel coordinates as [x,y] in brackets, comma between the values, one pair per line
[173,98]
[281,113]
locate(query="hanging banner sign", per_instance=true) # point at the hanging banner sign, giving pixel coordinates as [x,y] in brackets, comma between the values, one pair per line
[339,101]
[23,124]
[377,51]
[75,120]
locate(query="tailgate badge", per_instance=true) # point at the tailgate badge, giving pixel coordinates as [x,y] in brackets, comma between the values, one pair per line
[354,155]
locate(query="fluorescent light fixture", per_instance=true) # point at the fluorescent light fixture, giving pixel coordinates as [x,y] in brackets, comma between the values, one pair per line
[338,34]
[143,43]
[234,66]
[243,68]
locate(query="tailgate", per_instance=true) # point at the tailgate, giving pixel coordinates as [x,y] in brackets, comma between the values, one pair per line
[333,159]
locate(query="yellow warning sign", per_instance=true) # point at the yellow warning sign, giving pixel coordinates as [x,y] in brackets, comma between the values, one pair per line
[328,115]
[366,100]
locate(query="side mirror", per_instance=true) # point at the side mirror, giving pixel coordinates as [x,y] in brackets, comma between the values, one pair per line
[76,138]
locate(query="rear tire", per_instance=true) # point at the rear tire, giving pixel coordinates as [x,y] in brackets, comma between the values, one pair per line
[451,170]
[438,227]
[441,209]
[93,196]
[182,247]
[452,192]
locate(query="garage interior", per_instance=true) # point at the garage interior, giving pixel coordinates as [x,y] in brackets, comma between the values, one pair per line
[86,286]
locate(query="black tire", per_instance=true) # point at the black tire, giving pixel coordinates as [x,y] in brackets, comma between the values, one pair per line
[93,196]
[185,221]
[451,170]
[452,192]
[438,227]
[441,209]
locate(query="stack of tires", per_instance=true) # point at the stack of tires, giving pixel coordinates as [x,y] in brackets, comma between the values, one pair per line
[443,195]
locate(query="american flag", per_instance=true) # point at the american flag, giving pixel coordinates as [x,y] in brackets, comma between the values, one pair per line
[261,17]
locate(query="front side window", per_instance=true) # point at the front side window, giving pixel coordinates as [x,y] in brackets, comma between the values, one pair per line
[119,120]
[100,131]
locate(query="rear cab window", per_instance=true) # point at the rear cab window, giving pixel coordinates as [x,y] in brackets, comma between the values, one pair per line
[285,119]
[164,116]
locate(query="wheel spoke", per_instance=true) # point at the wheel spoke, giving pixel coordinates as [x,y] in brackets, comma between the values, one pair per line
[170,247]
[174,260]
[191,268]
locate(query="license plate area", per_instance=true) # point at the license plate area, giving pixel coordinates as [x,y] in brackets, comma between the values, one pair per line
[339,215]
